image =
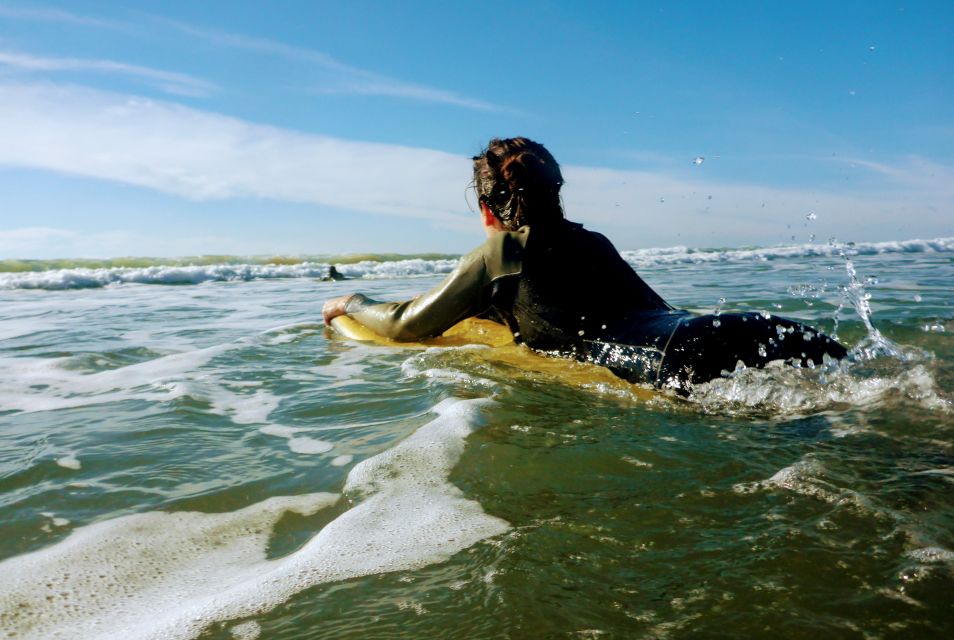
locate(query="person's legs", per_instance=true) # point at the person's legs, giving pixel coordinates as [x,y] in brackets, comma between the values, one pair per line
[703,347]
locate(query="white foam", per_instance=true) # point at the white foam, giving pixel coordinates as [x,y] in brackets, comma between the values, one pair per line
[44,384]
[279,430]
[343,460]
[85,278]
[170,575]
[81,278]
[251,408]
[78,277]
[69,462]
[931,555]
[298,444]
[246,631]
[309,446]
[682,255]
[55,520]
[789,391]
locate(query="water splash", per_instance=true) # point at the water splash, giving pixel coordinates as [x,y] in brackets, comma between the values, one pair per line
[874,344]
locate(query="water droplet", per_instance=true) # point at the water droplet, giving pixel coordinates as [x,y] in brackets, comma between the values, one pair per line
[709,198]
[698,160]
[762,351]
[811,238]
[851,245]
[721,300]
[917,297]
[581,332]
[871,279]
[661,199]
[716,323]
[871,47]
[603,326]
[811,216]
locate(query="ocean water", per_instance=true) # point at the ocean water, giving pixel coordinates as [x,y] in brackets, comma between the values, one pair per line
[186,452]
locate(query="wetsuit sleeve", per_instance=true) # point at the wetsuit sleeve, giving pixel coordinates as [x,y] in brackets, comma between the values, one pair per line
[466,292]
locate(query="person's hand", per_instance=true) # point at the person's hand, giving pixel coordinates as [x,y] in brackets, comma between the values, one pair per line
[334,307]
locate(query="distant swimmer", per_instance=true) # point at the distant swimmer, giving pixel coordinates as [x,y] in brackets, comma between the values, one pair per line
[567,291]
[334,274]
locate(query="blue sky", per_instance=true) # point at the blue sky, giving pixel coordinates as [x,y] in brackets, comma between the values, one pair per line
[183,128]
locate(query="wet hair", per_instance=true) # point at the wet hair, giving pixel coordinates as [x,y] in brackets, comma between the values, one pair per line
[520,182]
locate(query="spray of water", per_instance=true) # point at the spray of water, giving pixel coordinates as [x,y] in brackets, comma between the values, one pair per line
[855,294]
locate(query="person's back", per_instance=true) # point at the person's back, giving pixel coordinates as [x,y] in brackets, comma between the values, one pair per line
[575,285]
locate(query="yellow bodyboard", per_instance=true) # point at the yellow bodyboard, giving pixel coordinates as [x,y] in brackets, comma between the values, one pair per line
[474,331]
[469,331]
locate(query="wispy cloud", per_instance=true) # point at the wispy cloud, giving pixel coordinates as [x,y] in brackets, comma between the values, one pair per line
[204,156]
[168,81]
[376,86]
[347,79]
[343,78]
[201,155]
[40,14]
[47,242]
[30,239]
[917,172]
[645,208]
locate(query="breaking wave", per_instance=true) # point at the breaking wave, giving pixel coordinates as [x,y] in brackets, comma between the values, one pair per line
[79,274]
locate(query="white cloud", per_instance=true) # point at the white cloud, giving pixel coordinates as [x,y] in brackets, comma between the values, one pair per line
[28,240]
[58,16]
[376,86]
[202,156]
[650,208]
[168,81]
[46,242]
[347,79]
[917,172]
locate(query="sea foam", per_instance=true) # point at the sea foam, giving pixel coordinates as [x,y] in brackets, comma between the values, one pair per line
[172,575]
[79,277]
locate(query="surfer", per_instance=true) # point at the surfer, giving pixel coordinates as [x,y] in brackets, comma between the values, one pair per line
[334,275]
[566,290]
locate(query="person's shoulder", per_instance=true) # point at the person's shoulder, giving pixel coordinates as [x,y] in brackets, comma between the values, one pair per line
[595,236]
[502,252]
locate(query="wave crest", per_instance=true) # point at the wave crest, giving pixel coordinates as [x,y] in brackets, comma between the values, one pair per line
[79,274]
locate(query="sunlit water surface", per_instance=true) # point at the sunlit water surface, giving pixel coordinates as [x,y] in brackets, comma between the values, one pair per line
[208,461]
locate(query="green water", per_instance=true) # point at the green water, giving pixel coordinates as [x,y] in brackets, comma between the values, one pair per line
[777,503]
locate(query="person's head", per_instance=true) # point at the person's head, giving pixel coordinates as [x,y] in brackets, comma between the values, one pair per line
[518,182]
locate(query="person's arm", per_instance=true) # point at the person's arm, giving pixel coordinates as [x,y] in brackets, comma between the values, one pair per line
[466,292]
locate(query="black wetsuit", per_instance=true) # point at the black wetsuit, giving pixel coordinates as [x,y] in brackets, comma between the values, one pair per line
[567,290]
